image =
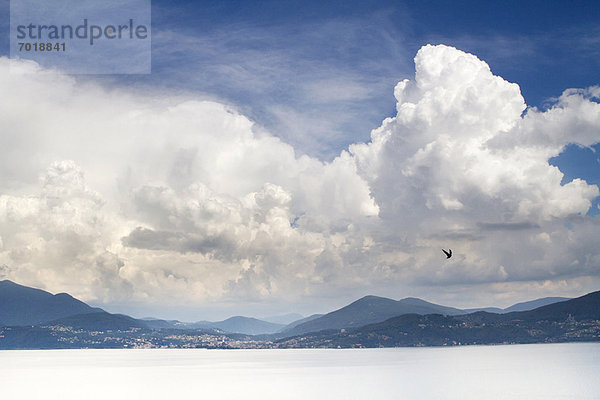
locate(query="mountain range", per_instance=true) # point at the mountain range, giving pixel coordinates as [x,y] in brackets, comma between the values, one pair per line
[26,312]
[21,306]
[568,321]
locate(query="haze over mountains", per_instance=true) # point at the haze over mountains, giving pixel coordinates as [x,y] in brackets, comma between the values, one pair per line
[524,306]
[567,321]
[24,306]
[239,324]
[34,319]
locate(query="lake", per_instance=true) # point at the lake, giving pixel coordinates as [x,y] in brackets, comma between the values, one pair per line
[539,371]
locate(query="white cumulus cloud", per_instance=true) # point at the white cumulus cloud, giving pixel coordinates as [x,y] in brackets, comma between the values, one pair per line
[118,196]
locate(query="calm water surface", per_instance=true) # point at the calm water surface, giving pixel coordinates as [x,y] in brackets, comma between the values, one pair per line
[543,371]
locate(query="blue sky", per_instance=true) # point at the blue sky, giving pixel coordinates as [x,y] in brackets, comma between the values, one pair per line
[319,76]
[544,46]
[282,47]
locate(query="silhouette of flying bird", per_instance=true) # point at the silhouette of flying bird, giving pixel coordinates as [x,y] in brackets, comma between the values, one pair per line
[447,253]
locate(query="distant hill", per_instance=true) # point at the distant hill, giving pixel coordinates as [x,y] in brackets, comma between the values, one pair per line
[107,321]
[533,304]
[25,306]
[28,323]
[238,324]
[524,306]
[582,308]
[155,323]
[22,305]
[283,319]
[99,321]
[495,310]
[294,324]
[246,325]
[369,310]
[567,321]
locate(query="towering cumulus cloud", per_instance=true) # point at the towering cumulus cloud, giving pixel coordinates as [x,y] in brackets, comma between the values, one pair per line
[117,196]
[460,166]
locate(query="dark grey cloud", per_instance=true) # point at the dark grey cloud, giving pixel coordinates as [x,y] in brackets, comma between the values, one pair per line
[466,234]
[507,226]
[180,242]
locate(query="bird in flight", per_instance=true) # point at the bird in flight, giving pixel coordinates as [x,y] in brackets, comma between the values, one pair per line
[447,253]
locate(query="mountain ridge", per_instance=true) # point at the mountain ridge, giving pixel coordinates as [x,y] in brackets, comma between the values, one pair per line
[98,321]
[24,305]
[364,311]
[571,320]
[522,306]
[568,321]
[369,309]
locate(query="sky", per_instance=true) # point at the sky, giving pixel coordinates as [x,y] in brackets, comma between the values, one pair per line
[295,156]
